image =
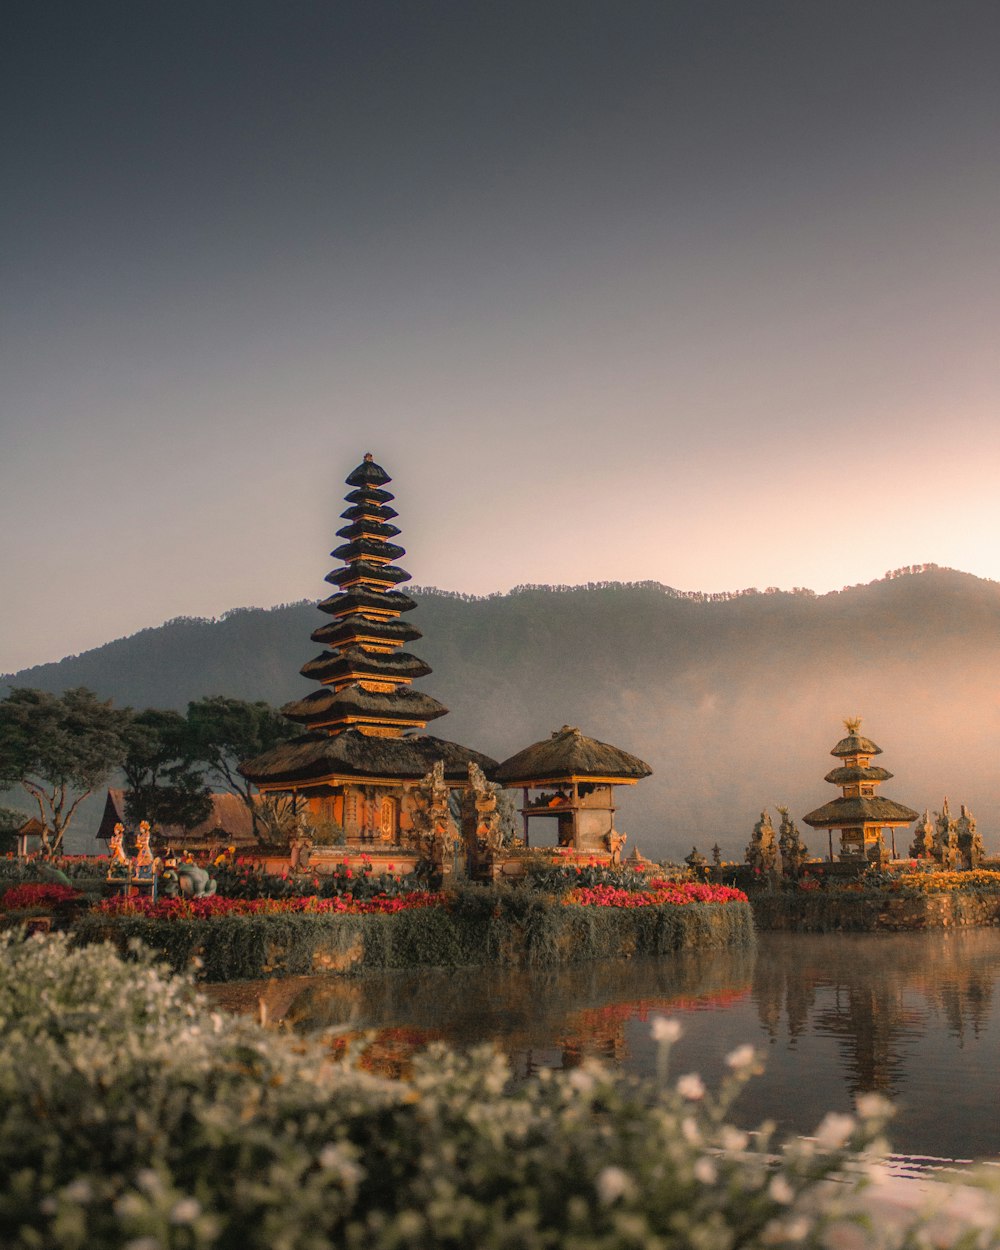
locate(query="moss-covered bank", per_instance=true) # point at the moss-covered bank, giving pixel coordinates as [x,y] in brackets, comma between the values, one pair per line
[480,927]
[868,911]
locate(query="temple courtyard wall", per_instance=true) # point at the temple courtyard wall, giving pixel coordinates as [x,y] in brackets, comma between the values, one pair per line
[834,912]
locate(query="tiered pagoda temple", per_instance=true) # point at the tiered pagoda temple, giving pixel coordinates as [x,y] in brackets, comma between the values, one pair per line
[860,813]
[575,778]
[361,756]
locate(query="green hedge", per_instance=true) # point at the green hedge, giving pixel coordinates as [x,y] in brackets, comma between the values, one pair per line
[134,1118]
[480,926]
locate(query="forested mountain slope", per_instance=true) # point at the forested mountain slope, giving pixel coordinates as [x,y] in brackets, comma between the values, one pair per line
[734,703]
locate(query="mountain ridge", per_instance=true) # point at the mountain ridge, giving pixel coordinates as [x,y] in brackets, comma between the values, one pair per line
[734,699]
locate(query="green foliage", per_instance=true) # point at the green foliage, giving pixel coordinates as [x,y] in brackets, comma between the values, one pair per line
[561,878]
[506,926]
[225,731]
[132,1117]
[10,821]
[165,787]
[59,749]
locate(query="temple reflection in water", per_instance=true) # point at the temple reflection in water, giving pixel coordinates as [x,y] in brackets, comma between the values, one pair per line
[910,1015]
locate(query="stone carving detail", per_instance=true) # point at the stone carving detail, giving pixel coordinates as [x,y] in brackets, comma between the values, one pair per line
[790,844]
[762,850]
[481,824]
[614,841]
[946,837]
[432,823]
[970,842]
[922,846]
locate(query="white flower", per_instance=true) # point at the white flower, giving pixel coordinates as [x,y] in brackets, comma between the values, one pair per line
[732,1139]
[664,1030]
[873,1107]
[740,1058]
[612,1184]
[705,1171]
[780,1190]
[690,1130]
[581,1081]
[79,1190]
[834,1131]
[691,1087]
[186,1211]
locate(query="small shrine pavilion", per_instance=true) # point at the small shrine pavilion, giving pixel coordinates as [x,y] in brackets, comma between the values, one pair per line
[358,764]
[860,813]
[575,777]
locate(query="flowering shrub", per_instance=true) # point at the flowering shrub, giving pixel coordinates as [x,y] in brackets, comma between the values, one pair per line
[243,879]
[657,893]
[941,882]
[558,878]
[37,895]
[169,1127]
[215,906]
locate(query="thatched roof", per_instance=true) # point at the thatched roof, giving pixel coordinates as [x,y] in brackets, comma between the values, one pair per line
[331,664]
[326,705]
[229,814]
[368,473]
[357,529]
[566,754]
[345,629]
[844,813]
[352,754]
[854,744]
[843,776]
[369,509]
[366,570]
[364,547]
[360,597]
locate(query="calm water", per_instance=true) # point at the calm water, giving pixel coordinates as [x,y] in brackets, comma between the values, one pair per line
[914,1016]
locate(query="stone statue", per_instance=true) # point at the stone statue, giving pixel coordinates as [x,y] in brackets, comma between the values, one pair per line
[143,853]
[717,855]
[696,861]
[432,823]
[614,841]
[970,842]
[946,837]
[186,881]
[922,846]
[481,818]
[790,844]
[119,864]
[762,850]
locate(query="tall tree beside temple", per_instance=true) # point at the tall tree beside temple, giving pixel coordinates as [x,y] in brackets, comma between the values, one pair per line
[59,749]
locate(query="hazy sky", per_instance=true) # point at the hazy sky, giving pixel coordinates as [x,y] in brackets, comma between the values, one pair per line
[693,291]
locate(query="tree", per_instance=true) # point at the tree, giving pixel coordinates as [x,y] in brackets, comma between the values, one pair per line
[224,732]
[59,748]
[164,785]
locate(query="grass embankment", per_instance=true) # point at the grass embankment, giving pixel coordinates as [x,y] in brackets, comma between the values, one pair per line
[510,927]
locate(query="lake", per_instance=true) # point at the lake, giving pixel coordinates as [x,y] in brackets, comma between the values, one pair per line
[914,1016]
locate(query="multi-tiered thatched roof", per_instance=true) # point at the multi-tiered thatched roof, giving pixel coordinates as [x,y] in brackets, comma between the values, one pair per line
[362,719]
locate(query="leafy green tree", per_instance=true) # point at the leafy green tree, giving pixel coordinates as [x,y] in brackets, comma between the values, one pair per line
[10,821]
[59,748]
[164,785]
[224,732]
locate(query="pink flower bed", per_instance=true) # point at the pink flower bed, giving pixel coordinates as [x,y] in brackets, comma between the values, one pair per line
[676,893]
[214,906]
[24,897]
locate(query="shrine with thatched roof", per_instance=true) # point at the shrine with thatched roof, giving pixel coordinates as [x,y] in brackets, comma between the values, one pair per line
[574,777]
[860,813]
[359,764]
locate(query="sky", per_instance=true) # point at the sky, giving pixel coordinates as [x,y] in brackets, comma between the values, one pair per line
[704,292]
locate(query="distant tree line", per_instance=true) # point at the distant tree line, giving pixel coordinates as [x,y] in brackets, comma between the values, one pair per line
[61,748]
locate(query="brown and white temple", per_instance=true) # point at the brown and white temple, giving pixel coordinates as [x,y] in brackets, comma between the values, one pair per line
[361,755]
[861,814]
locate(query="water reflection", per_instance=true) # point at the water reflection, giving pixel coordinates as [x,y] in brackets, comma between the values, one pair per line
[909,1015]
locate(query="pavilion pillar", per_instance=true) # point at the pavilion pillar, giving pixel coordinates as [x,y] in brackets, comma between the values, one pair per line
[526,840]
